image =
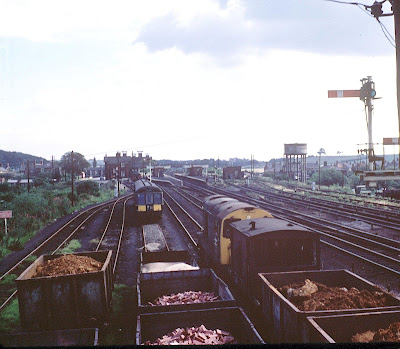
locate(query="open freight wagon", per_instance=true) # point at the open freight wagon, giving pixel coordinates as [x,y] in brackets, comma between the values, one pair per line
[150,286]
[65,301]
[287,323]
[343,328]
[230,319]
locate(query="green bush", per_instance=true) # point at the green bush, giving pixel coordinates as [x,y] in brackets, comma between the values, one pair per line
[278,176]
[87,187]
[32,211]
[328,177]
[7,193]
[9,317]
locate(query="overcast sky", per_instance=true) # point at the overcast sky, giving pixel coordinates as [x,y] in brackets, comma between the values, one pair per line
[191,79]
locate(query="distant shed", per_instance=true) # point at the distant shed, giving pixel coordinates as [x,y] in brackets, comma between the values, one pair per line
[232,172]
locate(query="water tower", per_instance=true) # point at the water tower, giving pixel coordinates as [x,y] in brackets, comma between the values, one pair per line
[296,161]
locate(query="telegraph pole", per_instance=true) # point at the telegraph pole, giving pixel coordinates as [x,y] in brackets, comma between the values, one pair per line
[396,15]
[52,169]
[376,11]
[118,173]
[72,178]
[28,176]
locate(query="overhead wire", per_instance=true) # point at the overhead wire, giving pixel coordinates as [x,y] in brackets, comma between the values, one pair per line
[385,31]
[388,36]
[345,2]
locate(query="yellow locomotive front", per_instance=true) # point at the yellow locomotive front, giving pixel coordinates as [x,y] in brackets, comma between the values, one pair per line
[219,212]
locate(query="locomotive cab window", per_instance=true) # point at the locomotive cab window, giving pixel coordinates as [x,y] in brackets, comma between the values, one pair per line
[158,198]
[141,199]
[227,229]
[149,198]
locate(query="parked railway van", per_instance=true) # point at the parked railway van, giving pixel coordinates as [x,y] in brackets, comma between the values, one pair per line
[218,213]
[271,245]
[148,198]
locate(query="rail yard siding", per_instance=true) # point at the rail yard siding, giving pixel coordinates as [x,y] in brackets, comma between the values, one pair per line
[153,285]
[66,301]
[287,323]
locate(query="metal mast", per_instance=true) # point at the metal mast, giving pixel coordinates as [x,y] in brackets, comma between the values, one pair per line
[367,94]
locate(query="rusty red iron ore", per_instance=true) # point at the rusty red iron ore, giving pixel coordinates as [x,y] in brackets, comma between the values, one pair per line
[68,264]
[185,298]
[194,336]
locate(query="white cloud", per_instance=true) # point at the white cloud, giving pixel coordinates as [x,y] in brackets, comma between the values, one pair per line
[242,26]
[166,94]
[47,20]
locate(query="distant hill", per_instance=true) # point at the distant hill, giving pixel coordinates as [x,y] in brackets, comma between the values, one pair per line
[15,159]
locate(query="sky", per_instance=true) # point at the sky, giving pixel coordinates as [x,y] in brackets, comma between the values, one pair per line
[192,79]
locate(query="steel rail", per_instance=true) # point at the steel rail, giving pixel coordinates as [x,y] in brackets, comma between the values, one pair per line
[187,213]
[74,231]
[96,208]
[377,219]
[396,272]
[120,235]
[108,222]
[189,199]
[52,236]
[390,203]
[317,196]
[181,224]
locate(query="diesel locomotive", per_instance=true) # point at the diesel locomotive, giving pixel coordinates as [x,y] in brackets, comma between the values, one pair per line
[244,240]
[148,197]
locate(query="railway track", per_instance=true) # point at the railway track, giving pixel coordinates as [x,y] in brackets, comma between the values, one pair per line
[113,237]
[379,252]
[58,239]
[334,197]
[386,218]
[189,224]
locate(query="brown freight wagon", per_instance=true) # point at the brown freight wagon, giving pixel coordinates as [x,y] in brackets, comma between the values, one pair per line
[65,301]
[341,328]
[286,323]
[230,319]
[153,285]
